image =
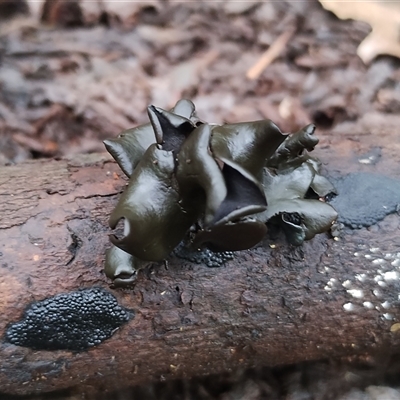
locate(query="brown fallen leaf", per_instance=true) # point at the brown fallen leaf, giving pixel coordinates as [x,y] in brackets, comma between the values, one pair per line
[384,18]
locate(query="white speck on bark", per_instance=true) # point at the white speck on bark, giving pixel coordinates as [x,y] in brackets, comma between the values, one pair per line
[396,262]
[361,277]
[391,276]
[368,304]
[378,261]
[349,307]
[357,293]
[377,293]
[386,304]
[346,284]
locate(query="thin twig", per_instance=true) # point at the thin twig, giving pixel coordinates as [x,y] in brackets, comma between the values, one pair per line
[270,55]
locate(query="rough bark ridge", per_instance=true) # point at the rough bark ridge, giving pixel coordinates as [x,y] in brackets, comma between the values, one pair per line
[271,305]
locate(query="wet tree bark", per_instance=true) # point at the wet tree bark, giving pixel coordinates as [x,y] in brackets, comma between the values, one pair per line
[271,305]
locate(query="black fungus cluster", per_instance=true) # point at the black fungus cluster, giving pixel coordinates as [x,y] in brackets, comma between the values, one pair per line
[72,321]
[365,199]
[216,187]
[205,256]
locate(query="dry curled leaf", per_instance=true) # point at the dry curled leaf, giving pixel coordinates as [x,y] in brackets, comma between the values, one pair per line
[384,18]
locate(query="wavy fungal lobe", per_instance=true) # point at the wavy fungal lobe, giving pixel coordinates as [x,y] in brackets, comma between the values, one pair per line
[213,187]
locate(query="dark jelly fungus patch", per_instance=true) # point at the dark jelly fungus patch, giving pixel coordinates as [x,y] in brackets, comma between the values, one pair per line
[71,321]
[212,186]
[205,256]
[365,199]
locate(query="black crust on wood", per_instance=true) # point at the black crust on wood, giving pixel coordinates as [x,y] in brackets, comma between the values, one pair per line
[365,199]
[71,321]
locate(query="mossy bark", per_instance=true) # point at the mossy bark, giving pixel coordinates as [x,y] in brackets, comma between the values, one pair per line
[272,305]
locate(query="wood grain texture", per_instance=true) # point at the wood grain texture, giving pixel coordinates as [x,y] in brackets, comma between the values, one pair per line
[271,305]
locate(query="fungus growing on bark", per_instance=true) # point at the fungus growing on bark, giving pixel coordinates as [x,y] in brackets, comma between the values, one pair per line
[155,221]
[130,145]
[213,186]
[122,267]
[69,321]
[205,256]
[357,207]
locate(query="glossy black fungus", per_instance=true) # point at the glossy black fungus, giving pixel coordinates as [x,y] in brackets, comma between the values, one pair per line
[294,150]
[214,185]
[364,199]
[300,218]
[122,267]
[206,257]
[199,174]
[231,236]
[154,221]
[247,144]
[72,321]
[170,129]
[130,145]
[245,195]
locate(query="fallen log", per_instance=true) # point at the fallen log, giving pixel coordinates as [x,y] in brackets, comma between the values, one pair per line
[272,305]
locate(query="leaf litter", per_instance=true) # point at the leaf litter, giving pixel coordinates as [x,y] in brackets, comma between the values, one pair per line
[63,90]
